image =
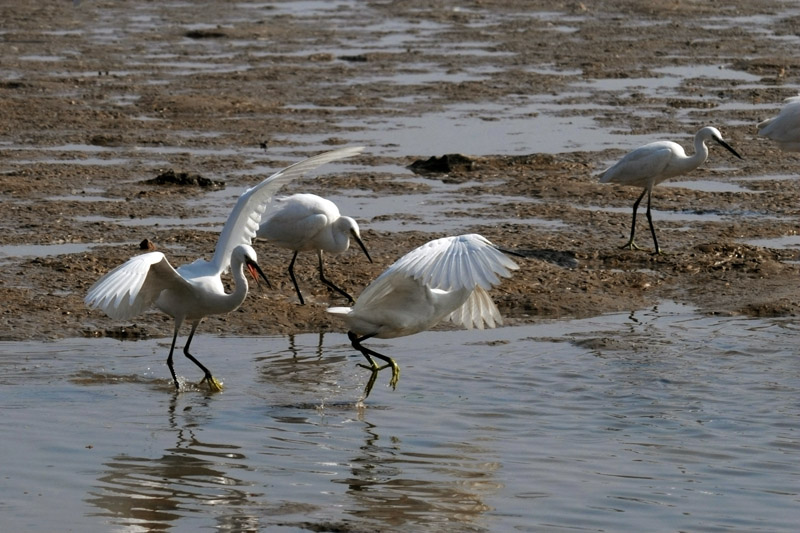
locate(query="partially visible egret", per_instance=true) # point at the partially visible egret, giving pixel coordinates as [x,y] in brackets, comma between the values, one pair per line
[445,279]
[649,165]
[195,291]
[306,222]
[785,128]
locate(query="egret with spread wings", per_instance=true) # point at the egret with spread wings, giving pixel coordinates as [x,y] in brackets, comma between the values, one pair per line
[445,279]
[194,291]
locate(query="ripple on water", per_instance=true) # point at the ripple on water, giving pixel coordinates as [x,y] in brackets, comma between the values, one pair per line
[659,418]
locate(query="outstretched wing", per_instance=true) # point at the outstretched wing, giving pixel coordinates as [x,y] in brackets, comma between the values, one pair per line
[421,283]
[134,286]
[451,263]
[478,311]
[447,264]
[243,222]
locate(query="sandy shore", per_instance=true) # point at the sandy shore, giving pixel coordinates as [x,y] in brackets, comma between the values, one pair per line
[96,99]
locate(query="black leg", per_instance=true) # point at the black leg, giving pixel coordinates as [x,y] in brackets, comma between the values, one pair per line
[329,283]
[291,275]
[355,340]
[213,384]
[652,228]
[630,244]
[169,359]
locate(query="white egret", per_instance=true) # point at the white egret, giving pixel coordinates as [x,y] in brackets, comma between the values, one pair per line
[785,128]
[649,165]
[445,279]
[195,291]
[306,222]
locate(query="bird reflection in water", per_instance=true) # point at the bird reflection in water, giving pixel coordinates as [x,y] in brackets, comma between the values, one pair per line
[395,487]
[155,493]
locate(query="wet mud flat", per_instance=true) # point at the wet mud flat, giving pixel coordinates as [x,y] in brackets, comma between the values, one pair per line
[100,98]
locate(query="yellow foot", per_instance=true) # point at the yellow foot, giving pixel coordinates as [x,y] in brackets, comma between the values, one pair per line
[370,384]
[395,375]
[214,385]
[375,369]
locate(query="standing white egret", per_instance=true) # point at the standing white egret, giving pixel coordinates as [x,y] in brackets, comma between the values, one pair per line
[445,279]
[785,128]
[306,222]
[649,165]
[195,291]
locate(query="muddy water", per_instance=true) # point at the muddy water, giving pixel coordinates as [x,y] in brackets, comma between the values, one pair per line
[658,420]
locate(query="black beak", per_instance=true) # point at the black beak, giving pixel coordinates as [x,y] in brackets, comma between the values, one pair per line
[728,147]
[256,271]
[361,244]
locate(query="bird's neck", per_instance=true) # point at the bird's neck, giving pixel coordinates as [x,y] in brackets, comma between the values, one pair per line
[699,157]
[340,236]
[240,284]
[228,302]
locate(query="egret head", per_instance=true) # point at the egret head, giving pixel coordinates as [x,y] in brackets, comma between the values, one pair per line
[245,254]
[710,132]
[351,227]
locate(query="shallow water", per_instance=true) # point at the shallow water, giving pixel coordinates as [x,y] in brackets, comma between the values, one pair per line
[709,186]
[656,420]
[786,241]
[15,251]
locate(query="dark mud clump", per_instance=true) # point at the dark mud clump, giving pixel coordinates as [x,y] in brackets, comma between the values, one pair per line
[184,179]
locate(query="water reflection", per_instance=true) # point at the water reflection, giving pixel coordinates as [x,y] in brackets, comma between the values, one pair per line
[300,368]
[151,493]
[293,348]
[391,479]
[601,423]
[401,485]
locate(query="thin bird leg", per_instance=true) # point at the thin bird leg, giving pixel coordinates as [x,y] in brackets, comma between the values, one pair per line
[370,383]
[329,283]
[169,359]
[294,280]
[366,352]
[630,244]
[213,384]
[652,228]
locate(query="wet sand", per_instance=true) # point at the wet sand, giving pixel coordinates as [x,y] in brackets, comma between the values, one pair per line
[98,98]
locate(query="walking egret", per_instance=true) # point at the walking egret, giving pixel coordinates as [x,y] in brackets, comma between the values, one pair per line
[195,291]
[785,128]
[649,165]
[445,279]
[306,222]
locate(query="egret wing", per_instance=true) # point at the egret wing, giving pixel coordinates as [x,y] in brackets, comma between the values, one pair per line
[645,162]
[244,220]
[394,306]
[134,286]
[380,288]
[784,128]
[292,228]
[478,311]
[451,263]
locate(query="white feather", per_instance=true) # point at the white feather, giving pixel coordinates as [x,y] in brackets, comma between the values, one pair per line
[444,279]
